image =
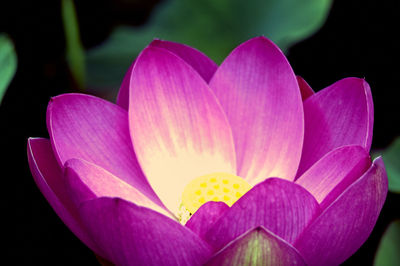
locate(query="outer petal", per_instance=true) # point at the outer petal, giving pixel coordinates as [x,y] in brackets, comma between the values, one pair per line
[203,219]
[341,114]
[87,181]
[282,207]
[89,128]
[331,175]
[260,95]
[132,235]
[49,178]
[345,225]
[257,247]
[305,89]
[178,129]
[196,59]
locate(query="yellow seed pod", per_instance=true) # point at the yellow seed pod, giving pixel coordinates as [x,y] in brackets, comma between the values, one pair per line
[223,187]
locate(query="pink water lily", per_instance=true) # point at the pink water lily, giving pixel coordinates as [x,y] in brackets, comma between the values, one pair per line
[119,175]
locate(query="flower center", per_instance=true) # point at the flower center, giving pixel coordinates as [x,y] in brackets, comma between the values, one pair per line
[223,187]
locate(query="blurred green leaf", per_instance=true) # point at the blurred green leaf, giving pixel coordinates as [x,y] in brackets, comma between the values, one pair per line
[8,63]
[389,248]
[75,52]
[391,158]
[214,27]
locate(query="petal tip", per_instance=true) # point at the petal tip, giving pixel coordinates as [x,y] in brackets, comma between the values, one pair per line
[261,40]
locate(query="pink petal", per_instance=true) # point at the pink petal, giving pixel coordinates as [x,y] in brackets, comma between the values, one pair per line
[257,247]
[260,95]
[203,219]
[282,207]
[196,59]
[87,181]
[89,128]
[345,225]
[341,114]
[334,172]
[49,178]
[305,89]
[123,93]
[133,235]
[178,129]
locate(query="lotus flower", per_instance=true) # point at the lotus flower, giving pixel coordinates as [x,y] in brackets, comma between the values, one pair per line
[235,164]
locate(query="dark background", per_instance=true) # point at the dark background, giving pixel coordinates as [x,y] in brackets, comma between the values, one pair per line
[360,38]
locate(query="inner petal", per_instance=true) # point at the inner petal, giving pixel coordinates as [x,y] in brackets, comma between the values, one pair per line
[223,187]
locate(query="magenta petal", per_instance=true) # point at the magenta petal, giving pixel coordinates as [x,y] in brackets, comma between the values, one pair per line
[332,174]
[196,59]
[133,235]
[305,89]
[341,114]
[89,128]
[123,93]
[87,181]
[178,129]
[257,247]
[260,95]
[202,220]
[49,178]
[282,207]
[345,225]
